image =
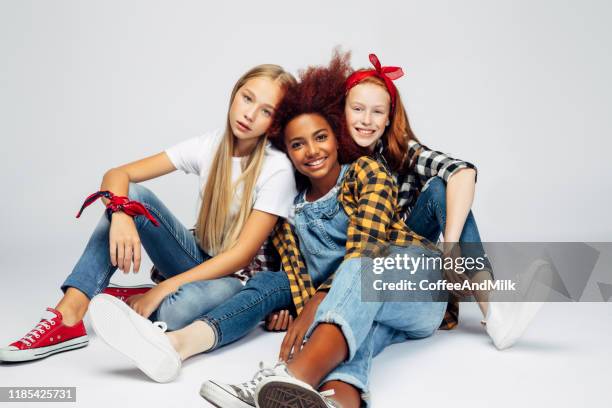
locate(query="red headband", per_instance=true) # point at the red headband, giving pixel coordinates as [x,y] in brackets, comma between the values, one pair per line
[387,74]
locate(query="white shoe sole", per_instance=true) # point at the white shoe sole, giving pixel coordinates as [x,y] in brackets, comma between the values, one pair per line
[14,356]
[522,319]
[143,286]
[221,398]
[112,321]
[523,315]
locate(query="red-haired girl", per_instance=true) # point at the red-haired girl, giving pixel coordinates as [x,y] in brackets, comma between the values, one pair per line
[435,190]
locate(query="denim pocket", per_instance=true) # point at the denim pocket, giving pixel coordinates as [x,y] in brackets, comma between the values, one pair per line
[323,234]
[311,236]
[322,225]
[330,211]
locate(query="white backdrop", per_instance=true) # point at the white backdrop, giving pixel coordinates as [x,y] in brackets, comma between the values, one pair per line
[520,88]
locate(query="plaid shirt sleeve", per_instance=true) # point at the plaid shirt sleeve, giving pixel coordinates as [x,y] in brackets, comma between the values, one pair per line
[431,163]
[285,241]
[369,195]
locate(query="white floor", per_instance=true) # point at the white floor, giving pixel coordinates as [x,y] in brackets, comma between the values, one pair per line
[564,360]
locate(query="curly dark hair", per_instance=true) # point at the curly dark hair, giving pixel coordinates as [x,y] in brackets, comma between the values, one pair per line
[319,90]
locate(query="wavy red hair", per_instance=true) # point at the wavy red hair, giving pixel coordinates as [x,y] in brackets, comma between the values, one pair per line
[398,133]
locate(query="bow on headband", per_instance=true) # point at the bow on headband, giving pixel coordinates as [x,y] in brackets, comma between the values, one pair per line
[387,74]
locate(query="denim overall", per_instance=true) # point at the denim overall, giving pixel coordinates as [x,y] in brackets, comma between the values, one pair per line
[321,228]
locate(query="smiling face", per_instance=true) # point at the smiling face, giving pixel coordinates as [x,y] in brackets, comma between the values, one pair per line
[367,113]
[251,111]
[312,147]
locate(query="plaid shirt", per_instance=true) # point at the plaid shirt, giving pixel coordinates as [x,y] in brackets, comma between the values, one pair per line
[427,164]
[369,198]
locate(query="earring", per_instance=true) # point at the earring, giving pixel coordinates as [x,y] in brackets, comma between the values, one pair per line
[388,122]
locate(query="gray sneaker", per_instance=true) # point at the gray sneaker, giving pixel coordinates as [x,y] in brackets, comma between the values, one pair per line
[239,395]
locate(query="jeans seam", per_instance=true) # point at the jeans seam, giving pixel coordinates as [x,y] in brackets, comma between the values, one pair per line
[325,234]
[171,230]
[312,248]
[250,305]
[370,351]
[109,273]
[342,302]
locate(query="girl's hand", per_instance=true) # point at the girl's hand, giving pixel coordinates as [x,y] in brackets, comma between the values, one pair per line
[124,242]
[453,251]
[278,321]
[146,303]
[292,343]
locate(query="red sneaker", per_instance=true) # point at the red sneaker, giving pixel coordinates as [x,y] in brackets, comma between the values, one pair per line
[48,337]
[124,292]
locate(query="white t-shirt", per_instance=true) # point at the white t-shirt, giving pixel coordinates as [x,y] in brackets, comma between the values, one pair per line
[274,189]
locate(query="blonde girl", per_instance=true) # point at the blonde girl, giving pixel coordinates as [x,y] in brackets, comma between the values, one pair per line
[245,186]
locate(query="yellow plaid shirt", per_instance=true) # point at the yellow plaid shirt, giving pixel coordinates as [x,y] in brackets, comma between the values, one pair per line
[369,197]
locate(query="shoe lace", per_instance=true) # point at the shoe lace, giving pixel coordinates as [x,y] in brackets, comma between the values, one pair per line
[248,388]
[327,393]
[330,402]
[33,335]
[161,325]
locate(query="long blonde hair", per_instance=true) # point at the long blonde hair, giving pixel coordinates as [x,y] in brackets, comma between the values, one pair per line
[216,230]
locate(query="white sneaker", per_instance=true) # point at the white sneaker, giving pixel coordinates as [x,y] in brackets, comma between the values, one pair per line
[143,342]
[240,395]
[506,322]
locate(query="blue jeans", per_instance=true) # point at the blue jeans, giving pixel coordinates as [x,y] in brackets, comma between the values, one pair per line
[369,327]
[172,248]
[428,219]
[263,294]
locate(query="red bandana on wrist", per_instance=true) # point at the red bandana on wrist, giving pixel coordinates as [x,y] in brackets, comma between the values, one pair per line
[119,203]
[387,74]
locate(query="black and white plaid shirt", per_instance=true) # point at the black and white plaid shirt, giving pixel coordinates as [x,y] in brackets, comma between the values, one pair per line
[429,163]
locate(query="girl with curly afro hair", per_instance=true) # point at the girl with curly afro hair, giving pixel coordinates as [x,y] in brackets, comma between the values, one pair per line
[320,91]
[345,214]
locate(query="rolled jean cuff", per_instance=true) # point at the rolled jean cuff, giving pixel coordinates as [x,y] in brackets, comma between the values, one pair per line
[215,328]
[336,318]
[351,380]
